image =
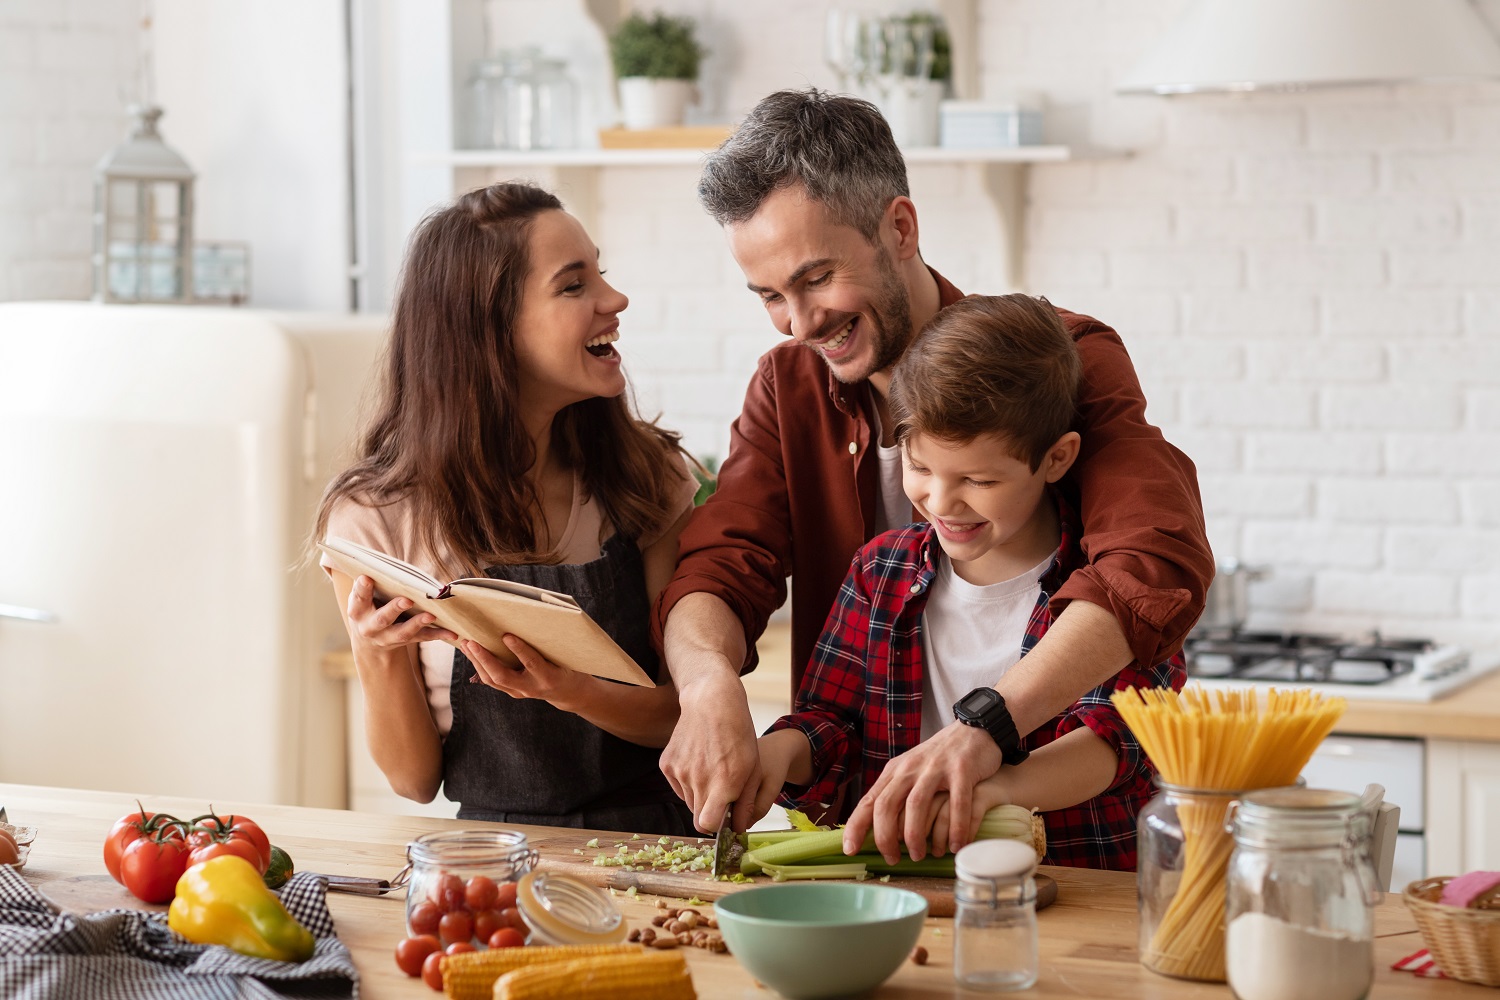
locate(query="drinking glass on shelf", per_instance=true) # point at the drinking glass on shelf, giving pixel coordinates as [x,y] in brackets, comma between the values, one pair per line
[841,50]
[917,55]
[881,44]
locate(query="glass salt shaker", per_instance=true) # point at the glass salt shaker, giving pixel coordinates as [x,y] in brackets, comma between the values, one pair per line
[994,928]
[1302,890]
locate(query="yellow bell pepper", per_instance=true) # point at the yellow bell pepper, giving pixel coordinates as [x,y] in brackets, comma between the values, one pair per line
[224,901]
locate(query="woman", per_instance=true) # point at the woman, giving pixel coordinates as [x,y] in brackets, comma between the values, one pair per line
[504,445]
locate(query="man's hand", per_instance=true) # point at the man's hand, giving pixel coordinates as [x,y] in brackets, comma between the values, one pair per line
[712,759]
[903,804]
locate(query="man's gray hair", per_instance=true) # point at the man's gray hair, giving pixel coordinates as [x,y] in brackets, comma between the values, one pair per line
[839,149]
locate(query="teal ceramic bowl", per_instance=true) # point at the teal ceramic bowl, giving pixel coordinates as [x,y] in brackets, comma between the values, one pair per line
[821,939]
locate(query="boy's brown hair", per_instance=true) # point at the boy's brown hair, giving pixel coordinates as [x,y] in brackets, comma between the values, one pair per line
[990,364]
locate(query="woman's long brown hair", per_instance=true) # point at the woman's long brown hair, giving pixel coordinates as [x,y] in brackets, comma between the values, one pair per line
[447,436]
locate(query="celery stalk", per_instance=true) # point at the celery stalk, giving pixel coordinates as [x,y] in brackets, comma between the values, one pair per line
[786,873]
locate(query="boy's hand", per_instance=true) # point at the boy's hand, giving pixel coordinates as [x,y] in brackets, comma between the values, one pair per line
[989,793]
[900,806]
[778,751]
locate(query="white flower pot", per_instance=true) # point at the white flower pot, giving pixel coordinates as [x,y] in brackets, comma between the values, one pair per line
[650,103]
[911,109]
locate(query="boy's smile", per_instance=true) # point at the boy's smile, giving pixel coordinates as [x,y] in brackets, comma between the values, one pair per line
[990,509]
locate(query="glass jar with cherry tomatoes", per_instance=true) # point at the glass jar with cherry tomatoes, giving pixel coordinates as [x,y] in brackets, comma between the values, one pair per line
[463,884]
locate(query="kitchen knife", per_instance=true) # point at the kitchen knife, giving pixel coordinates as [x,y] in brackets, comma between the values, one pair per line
[729,846]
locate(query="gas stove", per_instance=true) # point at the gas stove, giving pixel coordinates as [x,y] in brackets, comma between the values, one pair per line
[1374,667]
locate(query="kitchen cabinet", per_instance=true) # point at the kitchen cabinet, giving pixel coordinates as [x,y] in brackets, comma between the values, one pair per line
[1463,806]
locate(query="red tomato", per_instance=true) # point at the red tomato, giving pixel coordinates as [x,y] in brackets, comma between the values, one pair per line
[480,893]
[459,947]
[456,926]
[506,896]
[423,918]
[487,922]
[447,892]
[511,917]
[218,848]
[507,937]
[126,831]
[150,868]
[413,951]
[241,836]
[432,973]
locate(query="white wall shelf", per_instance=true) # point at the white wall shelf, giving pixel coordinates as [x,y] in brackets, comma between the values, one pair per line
[482,158]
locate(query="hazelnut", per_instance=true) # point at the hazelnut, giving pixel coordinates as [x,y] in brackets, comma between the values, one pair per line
[683,938]
[675,927]
[660,904]
[648,935]
[635,935]
[659,920]
[919,955]
[717,946]
[711,922]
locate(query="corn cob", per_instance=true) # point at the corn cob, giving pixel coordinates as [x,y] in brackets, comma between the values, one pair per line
[661,975]
[471,975]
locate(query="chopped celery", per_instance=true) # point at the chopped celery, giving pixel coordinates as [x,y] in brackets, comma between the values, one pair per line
[786,873]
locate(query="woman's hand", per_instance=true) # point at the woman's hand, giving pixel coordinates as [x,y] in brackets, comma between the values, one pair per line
[536,677]
[377,627]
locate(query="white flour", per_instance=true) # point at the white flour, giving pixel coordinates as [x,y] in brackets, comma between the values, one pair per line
[1270,959]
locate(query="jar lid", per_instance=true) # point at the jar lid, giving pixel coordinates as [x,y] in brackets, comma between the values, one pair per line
[1287,815]
[568,910]
[992,859]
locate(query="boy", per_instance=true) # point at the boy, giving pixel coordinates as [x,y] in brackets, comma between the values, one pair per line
[984,402]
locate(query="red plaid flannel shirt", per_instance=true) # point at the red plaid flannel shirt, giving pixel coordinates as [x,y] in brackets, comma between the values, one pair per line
[860,703]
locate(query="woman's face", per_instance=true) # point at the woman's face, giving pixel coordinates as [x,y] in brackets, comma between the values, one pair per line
[568,320]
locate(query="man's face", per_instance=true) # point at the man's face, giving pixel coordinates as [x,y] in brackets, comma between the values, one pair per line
[824,284]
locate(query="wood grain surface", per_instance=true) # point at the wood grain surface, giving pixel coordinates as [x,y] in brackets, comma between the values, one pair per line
[1088,938]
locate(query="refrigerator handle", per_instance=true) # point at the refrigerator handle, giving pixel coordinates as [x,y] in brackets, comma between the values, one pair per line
[26,614]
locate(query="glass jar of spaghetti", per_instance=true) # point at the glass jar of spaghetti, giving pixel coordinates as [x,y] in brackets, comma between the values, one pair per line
[1302,891]
[1182,854]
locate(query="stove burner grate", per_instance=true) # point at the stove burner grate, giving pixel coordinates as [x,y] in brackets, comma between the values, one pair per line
[1296,657]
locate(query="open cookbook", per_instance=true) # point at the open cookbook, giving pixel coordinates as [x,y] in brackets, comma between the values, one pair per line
[482,610]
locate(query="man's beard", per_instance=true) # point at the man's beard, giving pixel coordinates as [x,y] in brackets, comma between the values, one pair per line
[891,312]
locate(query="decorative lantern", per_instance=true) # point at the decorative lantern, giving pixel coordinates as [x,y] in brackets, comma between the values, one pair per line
[143,218]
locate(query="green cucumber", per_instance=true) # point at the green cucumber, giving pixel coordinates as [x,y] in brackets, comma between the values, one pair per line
[279,870]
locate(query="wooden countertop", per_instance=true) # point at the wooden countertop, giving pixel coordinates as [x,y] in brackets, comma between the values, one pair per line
[1087,937]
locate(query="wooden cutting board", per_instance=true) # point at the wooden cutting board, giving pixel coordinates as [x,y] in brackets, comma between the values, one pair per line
[556,854]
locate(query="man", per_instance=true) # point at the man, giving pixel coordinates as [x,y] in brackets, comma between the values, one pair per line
[811,192]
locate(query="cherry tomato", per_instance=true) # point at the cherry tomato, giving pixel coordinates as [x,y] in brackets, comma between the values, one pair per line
[456,926]
[448,892]
[507,937]
[486,922]
[432,972]
[459,947]
[480,893]
[424,918]
[413,951]
[150,868]
[511,917]
[9,853]
[506,896]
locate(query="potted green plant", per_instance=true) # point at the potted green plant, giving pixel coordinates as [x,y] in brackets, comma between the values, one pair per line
[656,61]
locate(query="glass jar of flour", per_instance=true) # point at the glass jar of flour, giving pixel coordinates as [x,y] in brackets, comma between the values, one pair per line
[1301,896]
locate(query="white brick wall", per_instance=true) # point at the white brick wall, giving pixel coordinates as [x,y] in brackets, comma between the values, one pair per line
[67,70]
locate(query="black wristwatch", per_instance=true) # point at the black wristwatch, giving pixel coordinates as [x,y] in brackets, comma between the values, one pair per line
[984,709]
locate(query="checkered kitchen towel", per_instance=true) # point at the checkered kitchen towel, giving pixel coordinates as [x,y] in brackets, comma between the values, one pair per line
[133,955]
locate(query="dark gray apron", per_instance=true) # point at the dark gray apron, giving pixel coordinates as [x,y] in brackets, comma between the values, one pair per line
[521,760]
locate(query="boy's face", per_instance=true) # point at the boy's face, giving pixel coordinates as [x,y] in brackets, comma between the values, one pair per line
[988,506]
[823,283]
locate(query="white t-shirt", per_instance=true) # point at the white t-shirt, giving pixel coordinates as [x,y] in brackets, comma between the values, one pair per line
[893,506]
[390,529]
[971,636]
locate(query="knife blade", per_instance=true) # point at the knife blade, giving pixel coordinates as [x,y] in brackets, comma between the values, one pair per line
[729,846]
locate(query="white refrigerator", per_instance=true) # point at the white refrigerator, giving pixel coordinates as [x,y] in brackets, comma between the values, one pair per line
[160,631]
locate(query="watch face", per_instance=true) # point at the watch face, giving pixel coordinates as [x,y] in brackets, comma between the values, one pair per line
[977,702]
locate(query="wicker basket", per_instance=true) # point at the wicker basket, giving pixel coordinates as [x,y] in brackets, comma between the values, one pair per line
[1465,943]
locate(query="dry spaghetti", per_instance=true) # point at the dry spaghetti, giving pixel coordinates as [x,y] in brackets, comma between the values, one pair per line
[1228,742]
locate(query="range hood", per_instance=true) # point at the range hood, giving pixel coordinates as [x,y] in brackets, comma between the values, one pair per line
[1221,46]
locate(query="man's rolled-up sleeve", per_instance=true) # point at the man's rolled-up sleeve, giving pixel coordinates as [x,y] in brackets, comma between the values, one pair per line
[1143,534]
[737,545]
